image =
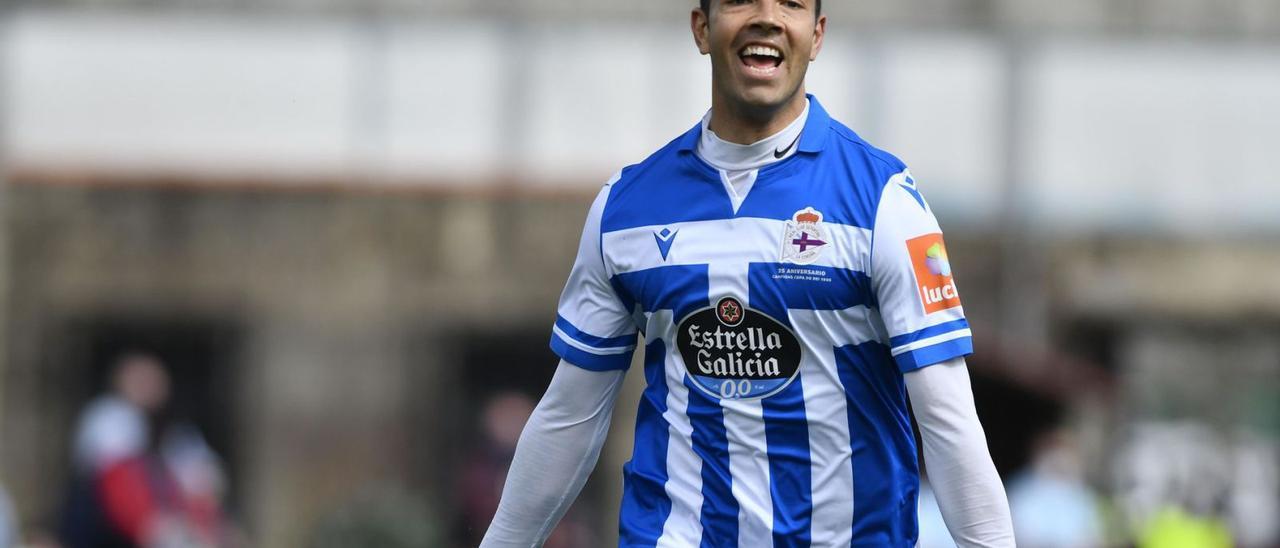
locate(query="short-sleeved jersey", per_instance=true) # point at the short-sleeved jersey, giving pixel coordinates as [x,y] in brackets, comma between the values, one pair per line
[776,339]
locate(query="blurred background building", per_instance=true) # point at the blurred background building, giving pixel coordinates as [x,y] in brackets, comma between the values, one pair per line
[343,227]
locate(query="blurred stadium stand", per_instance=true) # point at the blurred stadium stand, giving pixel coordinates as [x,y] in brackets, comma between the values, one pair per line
[336,216]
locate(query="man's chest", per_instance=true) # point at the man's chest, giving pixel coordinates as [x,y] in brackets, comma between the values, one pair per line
[800,261]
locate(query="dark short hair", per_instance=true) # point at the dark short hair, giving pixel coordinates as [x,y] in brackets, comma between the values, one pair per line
[706,7]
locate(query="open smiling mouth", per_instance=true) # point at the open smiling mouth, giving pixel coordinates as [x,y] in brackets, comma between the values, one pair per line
[761,59]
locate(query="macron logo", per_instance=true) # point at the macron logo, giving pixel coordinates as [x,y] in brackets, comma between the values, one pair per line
[909,185]
[664,240]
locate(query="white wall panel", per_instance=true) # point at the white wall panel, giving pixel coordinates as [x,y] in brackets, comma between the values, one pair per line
[943,115]
[178,94]
[444,100]
[1168,136]
[1117,135]
[605,96]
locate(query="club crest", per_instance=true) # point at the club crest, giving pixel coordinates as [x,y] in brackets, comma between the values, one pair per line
[804,237]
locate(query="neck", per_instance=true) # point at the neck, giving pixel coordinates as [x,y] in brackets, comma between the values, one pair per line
[743,124]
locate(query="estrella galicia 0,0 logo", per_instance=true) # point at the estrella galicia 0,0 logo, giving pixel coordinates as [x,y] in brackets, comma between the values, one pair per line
[734,352]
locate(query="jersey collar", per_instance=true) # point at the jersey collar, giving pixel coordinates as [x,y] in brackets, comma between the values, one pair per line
[812,139]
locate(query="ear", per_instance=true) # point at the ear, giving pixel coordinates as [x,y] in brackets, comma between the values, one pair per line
[819,31]
[698,23]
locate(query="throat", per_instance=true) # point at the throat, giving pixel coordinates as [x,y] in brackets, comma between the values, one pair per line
[730,156]
[741,123]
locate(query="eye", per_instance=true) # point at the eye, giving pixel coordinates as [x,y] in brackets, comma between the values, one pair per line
[793,5]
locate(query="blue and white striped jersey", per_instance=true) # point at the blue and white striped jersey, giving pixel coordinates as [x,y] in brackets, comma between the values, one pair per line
[776,339]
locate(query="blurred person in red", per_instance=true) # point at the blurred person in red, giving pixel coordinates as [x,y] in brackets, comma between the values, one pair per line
[145,499]
[141,479]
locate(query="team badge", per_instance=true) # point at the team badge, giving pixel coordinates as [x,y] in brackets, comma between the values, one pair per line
[804,238]
[733,352]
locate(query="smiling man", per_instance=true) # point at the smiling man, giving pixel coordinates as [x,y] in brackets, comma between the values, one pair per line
[792,286]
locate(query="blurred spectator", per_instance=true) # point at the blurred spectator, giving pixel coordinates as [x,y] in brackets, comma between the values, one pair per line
[485,468]
[1181,483]
[485,471]
[141,479]
[114,425]
[1051,504]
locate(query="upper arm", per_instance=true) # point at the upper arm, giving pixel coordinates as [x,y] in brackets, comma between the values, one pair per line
[577,394]
[593,330]
[912,279]
[942,390]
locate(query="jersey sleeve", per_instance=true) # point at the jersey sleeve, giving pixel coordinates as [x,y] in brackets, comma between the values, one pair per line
[912,280]
[593,330]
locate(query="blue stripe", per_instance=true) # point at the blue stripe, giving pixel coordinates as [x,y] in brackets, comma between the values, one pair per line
[786,424]
[592,340]
[929,355]
[587,360]
[777,288]
[886,479]
[786,430]
[663,192]
[645,505]
[931,331]
[711,444]
[679,288]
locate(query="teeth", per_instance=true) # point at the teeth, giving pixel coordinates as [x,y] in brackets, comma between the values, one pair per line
[762,50]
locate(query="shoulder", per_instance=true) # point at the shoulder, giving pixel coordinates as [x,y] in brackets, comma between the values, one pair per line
[105,410]
[621,190]
[644,193]
[660,161]
[875,174]
[858,154]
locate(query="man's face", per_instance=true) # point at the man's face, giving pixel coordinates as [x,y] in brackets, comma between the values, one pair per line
[759,49]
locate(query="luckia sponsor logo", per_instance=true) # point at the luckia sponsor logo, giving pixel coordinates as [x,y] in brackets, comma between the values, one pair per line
[734,352]
[934,283]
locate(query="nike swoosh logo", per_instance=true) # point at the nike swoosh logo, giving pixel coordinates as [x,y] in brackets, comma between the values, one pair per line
[778,154]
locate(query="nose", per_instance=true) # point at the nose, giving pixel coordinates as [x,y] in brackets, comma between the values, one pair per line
[766,16]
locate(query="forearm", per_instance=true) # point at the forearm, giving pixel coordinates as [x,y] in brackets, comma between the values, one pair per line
[557,450]
[964,479]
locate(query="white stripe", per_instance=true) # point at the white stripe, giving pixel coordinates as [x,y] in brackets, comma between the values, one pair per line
[855,325]
[749,466]
[588,348]
[917,323]
[683,527]
[744,427]
[826,407]
[957,334]
[743,239]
